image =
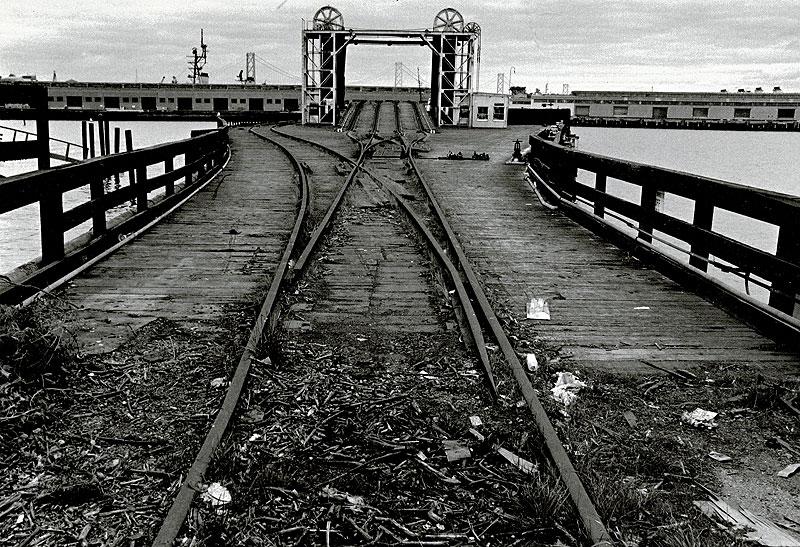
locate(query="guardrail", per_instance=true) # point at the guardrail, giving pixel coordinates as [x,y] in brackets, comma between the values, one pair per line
[556,168]
[201,156]
[31,151]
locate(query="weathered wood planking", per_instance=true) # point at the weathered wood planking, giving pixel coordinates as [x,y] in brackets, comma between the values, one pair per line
[593,289]
[213,252]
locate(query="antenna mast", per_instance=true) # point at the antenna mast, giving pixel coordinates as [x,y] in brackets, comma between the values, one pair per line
[197,61]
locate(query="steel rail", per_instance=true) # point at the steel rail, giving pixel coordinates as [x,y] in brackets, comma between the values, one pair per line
[588,513]
[463,294]
[171,526]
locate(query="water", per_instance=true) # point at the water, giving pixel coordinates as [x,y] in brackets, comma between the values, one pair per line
[20,229]
[758,159]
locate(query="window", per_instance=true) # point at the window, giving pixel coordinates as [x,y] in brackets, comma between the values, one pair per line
[97,99]
[126,99]
[51,99]
[162,99]
[620,110]
[206,100]
[499,112]
[172,99]
[483,112]
[135,100]
[741,112]
[277,101]
[198,100]
[786,112]
[582,110]
[699,112]
[59,99]
[660,112]
[234,101]
[269,101]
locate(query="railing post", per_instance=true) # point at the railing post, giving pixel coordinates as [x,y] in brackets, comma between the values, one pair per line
[102,135]
[600,182]
[785,292]
[84,139]
[91,139]
[129,148]
[141,194]
[168,168]
[188,159]
[703,218]
[646,213]
[96,192]
[116,151]
[51,217]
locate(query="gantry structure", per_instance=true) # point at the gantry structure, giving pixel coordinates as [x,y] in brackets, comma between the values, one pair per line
[455,62]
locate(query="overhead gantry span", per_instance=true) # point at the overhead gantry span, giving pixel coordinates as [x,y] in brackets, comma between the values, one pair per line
[454,59]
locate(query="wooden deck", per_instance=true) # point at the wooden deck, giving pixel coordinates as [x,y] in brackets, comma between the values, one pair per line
[607,310]
[213,252]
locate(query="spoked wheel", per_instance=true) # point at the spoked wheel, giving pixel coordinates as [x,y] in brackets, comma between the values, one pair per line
[448,20]
[328,18]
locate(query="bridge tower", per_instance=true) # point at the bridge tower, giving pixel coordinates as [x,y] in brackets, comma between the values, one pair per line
[398,74]
[501,83]
[250,68]
[324,56]
[325,42]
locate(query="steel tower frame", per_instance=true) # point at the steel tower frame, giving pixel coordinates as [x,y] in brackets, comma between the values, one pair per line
[455,56]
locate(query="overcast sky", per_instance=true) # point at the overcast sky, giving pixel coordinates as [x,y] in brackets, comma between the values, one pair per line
[668,45]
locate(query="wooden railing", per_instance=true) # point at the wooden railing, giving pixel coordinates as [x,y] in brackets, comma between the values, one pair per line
[778,273]
[29,148]
[201,155]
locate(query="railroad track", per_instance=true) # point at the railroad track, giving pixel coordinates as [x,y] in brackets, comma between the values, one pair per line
[373,411]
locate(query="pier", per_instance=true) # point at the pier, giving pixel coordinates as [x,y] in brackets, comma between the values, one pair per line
[343,318]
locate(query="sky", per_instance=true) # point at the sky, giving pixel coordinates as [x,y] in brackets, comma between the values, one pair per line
[637,45]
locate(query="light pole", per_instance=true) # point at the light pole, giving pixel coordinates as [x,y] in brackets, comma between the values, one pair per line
[510,71]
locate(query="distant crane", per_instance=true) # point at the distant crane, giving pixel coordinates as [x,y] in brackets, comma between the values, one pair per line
[197,61]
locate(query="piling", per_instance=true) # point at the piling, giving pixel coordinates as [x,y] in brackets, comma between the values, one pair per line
[84,139]
[91,139]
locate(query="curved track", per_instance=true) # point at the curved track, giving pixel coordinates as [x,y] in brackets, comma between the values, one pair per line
[381,280]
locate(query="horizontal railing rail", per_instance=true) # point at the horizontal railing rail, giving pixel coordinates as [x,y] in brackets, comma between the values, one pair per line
[200,156]
[778,273]
[30,151]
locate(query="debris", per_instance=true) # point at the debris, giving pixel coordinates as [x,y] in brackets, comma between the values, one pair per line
[630,418]
[477,434]
[219,382]
[332,493]
[533,364]
[680,374]
[217,495]
[522,464]
[475,421]
[719,457]
[763,531]
[642,308]
[253,415]
[566,389]
[700,418]
[296,324]
[538,308]
[789,470]
[455,451]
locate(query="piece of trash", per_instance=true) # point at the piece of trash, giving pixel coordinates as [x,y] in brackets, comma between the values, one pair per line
[533,364]
[642,308]
[253,415]
[421,455]
[566,389]
[475,421]
[296,324]
[217,495]
[333,493]
[477,434]
[789,470]
[455,451]
[538,308]
[700,418]
[522,464]
[630,417]
[219,382]
[762,531]
[719,457]
[257,437]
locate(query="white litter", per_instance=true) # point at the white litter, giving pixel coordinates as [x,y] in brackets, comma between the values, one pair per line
[219,382]
[700,418]
[642,308]
[217,495]
[533,364]
[475,421]
[538,308]
[789,470]
[566,388]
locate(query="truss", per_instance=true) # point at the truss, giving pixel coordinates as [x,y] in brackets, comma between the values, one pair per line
[455,56]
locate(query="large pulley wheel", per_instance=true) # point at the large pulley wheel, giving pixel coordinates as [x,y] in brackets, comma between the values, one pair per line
[448,20]
[328,18]
[473,28]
